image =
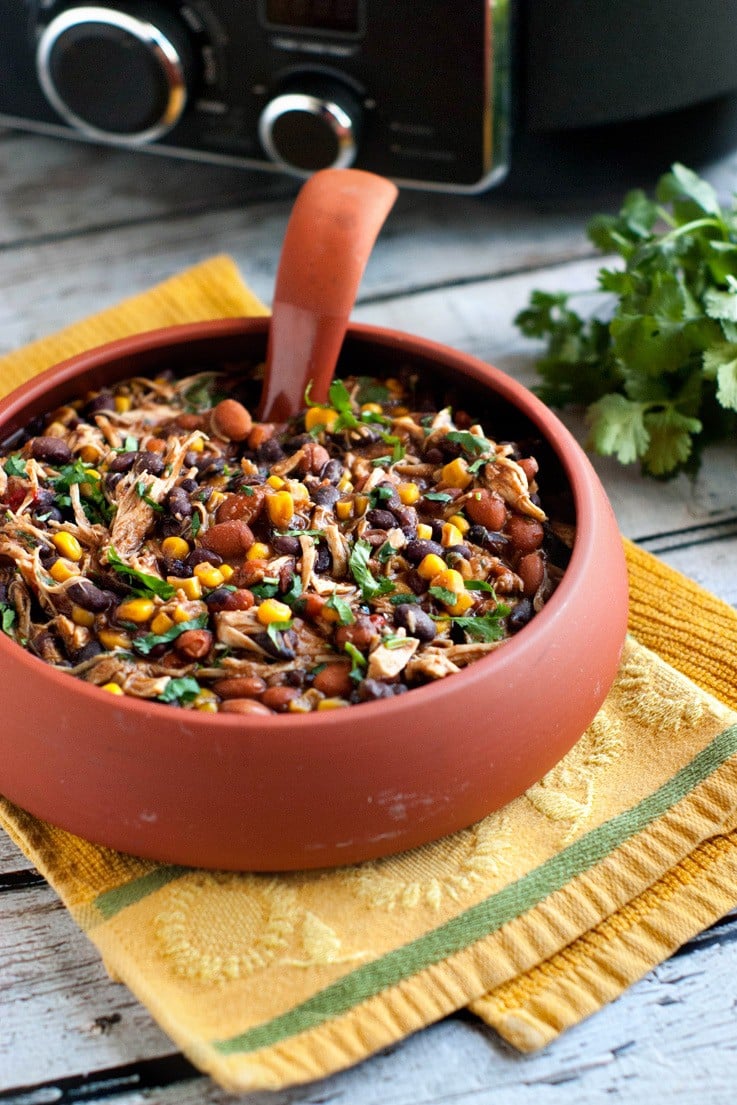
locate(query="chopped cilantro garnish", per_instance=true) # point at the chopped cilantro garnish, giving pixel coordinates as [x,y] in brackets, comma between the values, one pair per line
[486,627]
[180,691]
[472,443]
[386,552]
[196,523]
[438,496]
[140,582]
[479,585]
[151,640]
[8,618]
[369,391]
[266,589]
[341,402]
[379,495]
[15,465]
[477,465]
[358,564]
[444,595]
[274,631]
[394,640]
[404,597]
[142,492]
[380,462]
[94,503]
[342,609]
[358,661]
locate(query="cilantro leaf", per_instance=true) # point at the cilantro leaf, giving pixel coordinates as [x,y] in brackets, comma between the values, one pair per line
[655,361]
[144,645]
[8,618]
[180,691]
[444,595]
[341,608]
[141,582]
[341,402]
[358,661]
[15,465]
[358,564]
[484,627]
[472,443]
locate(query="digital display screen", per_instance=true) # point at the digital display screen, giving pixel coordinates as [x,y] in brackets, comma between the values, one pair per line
[342,16]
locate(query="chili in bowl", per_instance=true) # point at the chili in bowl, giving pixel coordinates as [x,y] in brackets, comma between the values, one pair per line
[272,646]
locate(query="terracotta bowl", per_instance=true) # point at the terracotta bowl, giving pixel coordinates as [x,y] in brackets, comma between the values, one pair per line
[335,787]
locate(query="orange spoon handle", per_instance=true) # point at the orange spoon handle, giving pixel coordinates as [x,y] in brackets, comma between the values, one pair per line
[335,221]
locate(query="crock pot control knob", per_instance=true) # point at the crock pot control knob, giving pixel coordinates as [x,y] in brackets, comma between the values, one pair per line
[312,125]
[116,74]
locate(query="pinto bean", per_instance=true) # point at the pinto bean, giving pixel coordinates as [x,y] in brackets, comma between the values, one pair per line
[194,644]
[231,420]
[245,706]
[230,539]
[278,698]
[531,570]
[240,686]
[241,506]
[526,534]
[486,509]
[334,681]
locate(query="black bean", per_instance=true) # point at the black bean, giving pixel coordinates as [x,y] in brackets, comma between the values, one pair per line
[43,499]
[89,597]
[325,496]
[51,450]
[286,545]
[416,550]
[204,556]
[111,480]
[406,517]
[331,471]
[123,462]
[520,616]
[286,575]
[172,566]
[87,652]
[102,402]
[381,519]
[323,559]
[188,486]
[270,451]
[218,599]
[558,552]
[496,543]
[477,534]
[457,552]
[433,455]
[292,444]
[280,647]
[413,618]
[369,690]
[178,504]
[416,583]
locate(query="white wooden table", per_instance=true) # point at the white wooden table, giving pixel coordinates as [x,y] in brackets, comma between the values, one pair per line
[82,227]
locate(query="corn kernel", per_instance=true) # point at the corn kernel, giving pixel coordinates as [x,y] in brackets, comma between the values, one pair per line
[409,493]
[175,547]
[451,535]
[122,403]
[206,701]
[460,522]
[424,532]
[209,576]
[62,570]
[113,638]
[89,454]
[332,703]
[226,571]
[298,490]
[299,705]
[258,551]
[181,614]
[271,610]
[161,623]
[430,566]
[393,385]
[190,585]
[360,505]
[137,611]
[320,416]
[450,579]
[112,688]
[463,602]
[371,408]
[197,445]
[276,482]
[68,545]
[344,483]
[216,498]
[80,616]
[456,474]
[280,508]
[344,509]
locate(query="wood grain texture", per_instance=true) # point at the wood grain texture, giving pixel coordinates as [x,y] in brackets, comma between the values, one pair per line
[81,227]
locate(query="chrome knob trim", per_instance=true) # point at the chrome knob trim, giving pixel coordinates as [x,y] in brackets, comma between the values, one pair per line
[337,118]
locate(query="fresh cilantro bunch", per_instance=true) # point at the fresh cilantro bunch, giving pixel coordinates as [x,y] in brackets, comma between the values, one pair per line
[657,371]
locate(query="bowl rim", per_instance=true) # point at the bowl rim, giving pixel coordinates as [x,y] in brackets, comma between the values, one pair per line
[576,466]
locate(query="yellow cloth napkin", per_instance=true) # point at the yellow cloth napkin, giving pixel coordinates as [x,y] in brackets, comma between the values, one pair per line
[534,918]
